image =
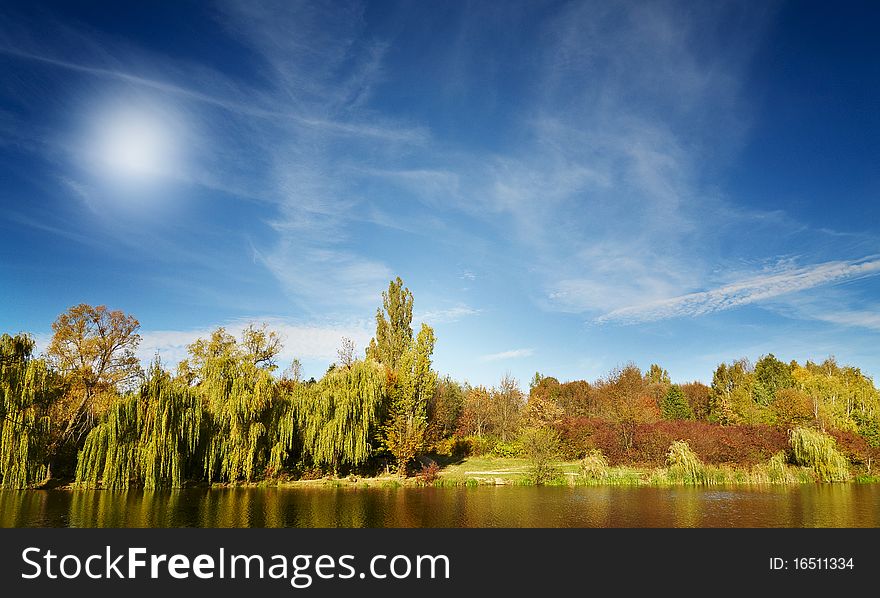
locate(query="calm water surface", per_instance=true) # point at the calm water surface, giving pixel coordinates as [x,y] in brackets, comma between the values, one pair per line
[819,505]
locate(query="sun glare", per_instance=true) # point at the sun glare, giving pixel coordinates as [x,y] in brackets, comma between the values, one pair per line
[133,144]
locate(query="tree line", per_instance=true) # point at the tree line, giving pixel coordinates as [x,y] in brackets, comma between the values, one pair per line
[85,410]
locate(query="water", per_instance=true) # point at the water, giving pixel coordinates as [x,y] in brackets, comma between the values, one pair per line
[809,505]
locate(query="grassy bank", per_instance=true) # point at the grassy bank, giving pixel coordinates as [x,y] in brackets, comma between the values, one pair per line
[498,471]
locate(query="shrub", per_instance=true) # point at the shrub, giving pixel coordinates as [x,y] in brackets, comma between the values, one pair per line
[684,463]
[429,474]
[453,446]
[594,466]
[712,443]
[506,449]
[541,447]
[477,445]
[814,449]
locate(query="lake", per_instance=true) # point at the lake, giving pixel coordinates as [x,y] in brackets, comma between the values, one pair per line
[808,505]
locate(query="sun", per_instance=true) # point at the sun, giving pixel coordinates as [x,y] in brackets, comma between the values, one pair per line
[133,144]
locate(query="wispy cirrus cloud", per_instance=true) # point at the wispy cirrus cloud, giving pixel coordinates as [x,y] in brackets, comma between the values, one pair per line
[446,315]
[512,354]
[746,291]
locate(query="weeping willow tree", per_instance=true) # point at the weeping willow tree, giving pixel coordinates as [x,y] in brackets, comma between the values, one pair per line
[27,390]
[812,448]
[339,417]
[240,397]
[237,405]
[148,439]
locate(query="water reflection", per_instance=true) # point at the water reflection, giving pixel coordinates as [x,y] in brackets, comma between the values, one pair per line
[819,505]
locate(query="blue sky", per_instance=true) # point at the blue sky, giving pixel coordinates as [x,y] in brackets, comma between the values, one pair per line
[565,186]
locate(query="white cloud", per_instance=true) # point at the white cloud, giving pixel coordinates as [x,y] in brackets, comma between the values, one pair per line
[512,354]
[302,341]
[746,291]
[445,316]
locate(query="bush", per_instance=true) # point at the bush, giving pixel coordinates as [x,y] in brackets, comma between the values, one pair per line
[594,466]
[541,447]
[814,449]
[684,463]
[453,446]
[712,443]
[429,474]
[506,449]
[477,445]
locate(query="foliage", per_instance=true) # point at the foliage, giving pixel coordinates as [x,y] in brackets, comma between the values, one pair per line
[684,463]
[506,449]
[445,408]
[476,419]
[541,447]
[594,465]
[507,403]
[94,349]
[238,393]
[394,332]
[148,439]
[630,401]
[657,375]
[28,389]
[697,395]
[410,382]
[811,448]
[792,408]
[674,405]
[429,474]
[574,399]
[339,417]
[714,444]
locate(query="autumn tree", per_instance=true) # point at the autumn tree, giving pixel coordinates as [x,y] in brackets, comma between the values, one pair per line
[697,395]
[94,348]
[630,402]
[476,419]
[507,403]
[445,408]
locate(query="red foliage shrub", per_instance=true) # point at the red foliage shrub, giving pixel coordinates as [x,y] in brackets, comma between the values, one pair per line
[713,443]
[855,447]
[429,474]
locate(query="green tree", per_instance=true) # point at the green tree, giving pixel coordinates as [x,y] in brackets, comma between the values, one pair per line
[540,445]
[339,416]
[239,393]
[28,392]
[410,380]
[771,375]
[675,405]
[657,375]
[394,334]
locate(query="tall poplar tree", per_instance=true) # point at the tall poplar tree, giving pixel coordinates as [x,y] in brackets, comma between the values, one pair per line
[410,380]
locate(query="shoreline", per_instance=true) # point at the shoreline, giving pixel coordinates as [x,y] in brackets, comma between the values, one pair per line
[504,471]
